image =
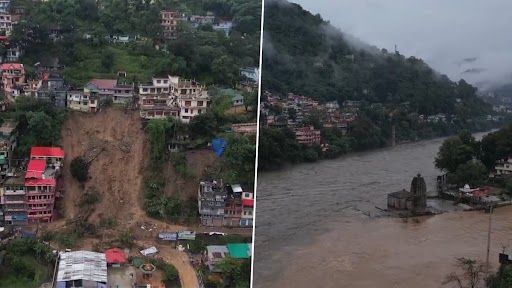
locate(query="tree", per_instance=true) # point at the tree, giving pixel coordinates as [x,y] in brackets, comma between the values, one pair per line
[107,60]
[471,276]
[454,152]
[203,126]
[157,130]
[79,169]
[250,100]
[472,172]
[239,158]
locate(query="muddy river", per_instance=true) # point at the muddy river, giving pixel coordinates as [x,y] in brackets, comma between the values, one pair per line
[318,225]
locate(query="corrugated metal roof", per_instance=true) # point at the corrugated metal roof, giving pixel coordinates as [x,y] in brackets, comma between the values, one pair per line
[82,265]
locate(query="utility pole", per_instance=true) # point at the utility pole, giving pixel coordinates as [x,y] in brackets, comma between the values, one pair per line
[488,240]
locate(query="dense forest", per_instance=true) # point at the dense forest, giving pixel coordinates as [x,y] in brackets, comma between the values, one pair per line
[303,54]
[84,28]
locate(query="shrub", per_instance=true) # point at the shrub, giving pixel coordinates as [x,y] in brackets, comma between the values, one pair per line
[80,169]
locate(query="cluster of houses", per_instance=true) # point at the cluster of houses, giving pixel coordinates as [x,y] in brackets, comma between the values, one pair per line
[292,112]
[225,205]
[28,191]
[170,21]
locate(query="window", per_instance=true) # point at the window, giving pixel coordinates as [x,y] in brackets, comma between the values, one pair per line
[199,103]
[186,110]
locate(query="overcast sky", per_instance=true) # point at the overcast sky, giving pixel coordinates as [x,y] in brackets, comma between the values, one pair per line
[441,32]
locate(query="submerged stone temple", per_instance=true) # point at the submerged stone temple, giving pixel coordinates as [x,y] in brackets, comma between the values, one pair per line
[414,200]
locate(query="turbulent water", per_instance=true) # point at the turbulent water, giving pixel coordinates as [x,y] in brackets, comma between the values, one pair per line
[317,225]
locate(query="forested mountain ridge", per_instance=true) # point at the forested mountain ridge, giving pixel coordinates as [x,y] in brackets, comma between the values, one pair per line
[83,31]
[304,54]
[395,99]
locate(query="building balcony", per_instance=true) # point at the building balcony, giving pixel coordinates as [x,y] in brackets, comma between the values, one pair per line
[14,192]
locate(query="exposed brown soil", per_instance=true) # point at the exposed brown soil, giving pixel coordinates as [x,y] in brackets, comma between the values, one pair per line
[115,173]
[118,150]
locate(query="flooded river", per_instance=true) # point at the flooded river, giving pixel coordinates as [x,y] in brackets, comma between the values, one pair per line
[318,225]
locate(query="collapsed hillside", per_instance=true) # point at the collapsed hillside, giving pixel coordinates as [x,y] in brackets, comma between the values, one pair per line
[118,150]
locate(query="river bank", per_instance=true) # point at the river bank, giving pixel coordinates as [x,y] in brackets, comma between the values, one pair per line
[323,155]
[314,218]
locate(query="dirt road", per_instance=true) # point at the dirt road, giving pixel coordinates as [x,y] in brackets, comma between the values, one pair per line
[180,260]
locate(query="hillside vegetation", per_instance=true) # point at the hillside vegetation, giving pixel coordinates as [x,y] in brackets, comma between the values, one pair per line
[84,28]
[305,55]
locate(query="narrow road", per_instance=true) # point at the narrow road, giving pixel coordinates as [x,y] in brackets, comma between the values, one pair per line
[180,260]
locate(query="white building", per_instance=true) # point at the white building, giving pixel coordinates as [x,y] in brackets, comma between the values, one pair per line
[6,23]
[503,167]
[251,73]
[157,86]
[80,101]
[191,97]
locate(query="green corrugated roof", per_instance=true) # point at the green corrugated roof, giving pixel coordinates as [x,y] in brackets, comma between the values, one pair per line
[137,262]
[239,250]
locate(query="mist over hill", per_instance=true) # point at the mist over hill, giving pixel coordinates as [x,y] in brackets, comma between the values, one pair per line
[306,55]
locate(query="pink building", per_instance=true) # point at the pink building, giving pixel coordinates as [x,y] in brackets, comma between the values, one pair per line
[41,182]
[13,75]
[169,21]
[40,185]
[308,135]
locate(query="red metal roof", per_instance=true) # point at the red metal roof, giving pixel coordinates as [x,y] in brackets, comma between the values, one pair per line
[35,169]
[115,255]
[47,152]
[40,182]
[11,66]
[248,202]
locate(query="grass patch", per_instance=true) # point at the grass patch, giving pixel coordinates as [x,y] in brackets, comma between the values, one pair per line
[12,279]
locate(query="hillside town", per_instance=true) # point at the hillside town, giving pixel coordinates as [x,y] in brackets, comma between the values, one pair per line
[153,250]
[307,117]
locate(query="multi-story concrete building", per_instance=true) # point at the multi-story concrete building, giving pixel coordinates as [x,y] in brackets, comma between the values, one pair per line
[29,197]
[110,89]
[13,76]
[51,88]
[155,100]
[40,187]
[173,97]
[169,21]
[157,86]
[246,218]
[14,200]
[211,198]
[503,167]
[4,6]
[233,207]
[6,23]
[224,205]
[80,101]
[8,137]
[308,135]
[191,97]
[157,107]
